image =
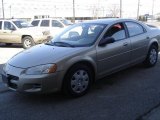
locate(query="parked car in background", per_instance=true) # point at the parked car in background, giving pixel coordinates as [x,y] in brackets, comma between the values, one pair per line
[81,54]
[19,31]
[51,24]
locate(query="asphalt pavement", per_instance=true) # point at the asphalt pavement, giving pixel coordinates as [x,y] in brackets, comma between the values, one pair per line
[132,94]
[153,115]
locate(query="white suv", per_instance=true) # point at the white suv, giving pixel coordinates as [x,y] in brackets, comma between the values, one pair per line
[19,31]
[50,24]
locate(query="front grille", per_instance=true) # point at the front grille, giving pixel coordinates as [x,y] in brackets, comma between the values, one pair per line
[12,77]
[12,85]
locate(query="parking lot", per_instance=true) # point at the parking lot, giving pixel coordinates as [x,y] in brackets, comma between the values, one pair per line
[6,52]
[132,94]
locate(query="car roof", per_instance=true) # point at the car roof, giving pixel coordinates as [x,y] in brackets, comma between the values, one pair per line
[12,20]
[109,20]
[47,19]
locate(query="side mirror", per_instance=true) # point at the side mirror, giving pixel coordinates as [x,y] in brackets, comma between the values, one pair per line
[106,40]
[12,28]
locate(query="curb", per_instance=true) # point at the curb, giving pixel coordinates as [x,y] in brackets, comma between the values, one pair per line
[3,88]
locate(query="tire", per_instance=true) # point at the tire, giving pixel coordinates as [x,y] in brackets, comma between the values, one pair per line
[77,81]
[152,56]
[27,42]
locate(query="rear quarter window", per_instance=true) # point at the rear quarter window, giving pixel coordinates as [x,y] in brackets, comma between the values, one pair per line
[55,23]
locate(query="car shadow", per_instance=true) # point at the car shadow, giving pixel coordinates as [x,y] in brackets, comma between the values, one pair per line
[114,78]
[3,45]
[58,97]
[107,83]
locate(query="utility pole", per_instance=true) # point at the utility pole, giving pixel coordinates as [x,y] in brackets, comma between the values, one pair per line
[152,8]
[97,10]
[3,9]
[55,11]
[138,9]
[120,9]
[73,20]
[10,11]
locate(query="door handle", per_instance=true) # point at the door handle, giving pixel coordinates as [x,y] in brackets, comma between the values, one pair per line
[125,44]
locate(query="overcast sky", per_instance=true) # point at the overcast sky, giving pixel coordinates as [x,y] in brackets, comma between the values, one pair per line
[129,7]
[145,5]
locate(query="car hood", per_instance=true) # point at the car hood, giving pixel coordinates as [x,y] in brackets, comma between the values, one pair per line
[41,54]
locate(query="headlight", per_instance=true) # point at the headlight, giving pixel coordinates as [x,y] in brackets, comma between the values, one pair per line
[41,69]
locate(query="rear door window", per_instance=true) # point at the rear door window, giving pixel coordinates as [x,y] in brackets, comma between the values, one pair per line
[45,23]
[134,28]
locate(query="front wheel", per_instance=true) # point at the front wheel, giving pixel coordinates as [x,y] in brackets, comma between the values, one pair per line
[77,80]
[152,56]
[27,42]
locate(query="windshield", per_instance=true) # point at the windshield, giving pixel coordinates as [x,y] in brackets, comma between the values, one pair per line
[66,22]
[21,24]
[83,34]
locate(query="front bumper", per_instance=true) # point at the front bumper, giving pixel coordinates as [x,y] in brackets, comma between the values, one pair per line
[15,80]
[41,39]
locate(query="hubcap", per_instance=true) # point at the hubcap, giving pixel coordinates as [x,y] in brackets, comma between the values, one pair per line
[153,56]
[27,43]
[79,81]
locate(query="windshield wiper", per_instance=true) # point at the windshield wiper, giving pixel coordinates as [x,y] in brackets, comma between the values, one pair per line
[49,43]
[63,44]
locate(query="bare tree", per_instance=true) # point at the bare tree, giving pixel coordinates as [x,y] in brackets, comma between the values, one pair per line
[114,10]
[94,12]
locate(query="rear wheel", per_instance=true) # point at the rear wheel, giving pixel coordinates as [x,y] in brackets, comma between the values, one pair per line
[27,42]
[78,80]
[152,56]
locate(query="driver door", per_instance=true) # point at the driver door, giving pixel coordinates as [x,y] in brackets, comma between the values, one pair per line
[114,56]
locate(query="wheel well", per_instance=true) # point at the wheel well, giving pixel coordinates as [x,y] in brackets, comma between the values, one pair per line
[155,44]
[25,36]
[88,64]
